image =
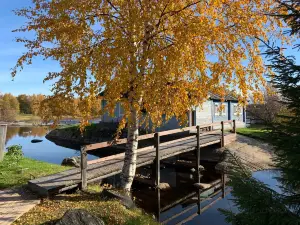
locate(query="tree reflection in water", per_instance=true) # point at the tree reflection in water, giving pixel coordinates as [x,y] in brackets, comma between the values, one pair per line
[26,132]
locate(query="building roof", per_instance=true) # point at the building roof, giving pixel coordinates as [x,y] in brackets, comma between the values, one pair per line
[211,96]
[218,97]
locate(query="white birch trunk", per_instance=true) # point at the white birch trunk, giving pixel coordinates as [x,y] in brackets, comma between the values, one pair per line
[129,167]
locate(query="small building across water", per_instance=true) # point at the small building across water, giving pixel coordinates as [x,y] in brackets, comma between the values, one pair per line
[213,110]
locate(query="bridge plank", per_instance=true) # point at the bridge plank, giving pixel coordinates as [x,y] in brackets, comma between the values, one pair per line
[53,184]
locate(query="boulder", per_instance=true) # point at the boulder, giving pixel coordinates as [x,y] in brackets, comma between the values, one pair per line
[164,186]
[201,168]
[36,140]
[202,185]
[124,199]
[73,161]
[79,217]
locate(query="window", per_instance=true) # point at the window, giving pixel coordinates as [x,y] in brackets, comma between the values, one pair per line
[236,110]
[103,104]
[220,109]
[121,110]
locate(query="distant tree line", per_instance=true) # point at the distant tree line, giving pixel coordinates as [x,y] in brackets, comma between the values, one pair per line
[47,107]
[11,106]
[29,104]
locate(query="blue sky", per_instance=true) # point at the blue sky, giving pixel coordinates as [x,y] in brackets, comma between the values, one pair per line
[30,80]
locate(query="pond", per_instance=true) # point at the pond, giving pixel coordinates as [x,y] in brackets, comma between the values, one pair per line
[212,216]
[48,151]
[45,151]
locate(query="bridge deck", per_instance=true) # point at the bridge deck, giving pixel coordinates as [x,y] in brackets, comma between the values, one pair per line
[56,183]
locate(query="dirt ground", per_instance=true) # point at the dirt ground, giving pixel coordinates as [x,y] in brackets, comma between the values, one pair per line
[254,154]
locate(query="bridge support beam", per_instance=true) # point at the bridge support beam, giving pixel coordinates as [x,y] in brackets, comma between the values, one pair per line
[223,180]
[222,134]
[234,126]
[157,180]
[198,167]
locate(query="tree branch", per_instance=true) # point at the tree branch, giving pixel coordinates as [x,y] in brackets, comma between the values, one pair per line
[182,9]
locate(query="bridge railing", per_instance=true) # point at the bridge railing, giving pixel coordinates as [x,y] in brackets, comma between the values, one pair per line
[156,137]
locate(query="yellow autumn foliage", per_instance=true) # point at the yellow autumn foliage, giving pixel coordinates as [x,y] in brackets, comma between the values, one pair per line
[159,56]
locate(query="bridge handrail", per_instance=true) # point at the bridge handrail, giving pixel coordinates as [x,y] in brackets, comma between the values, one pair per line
[147,136]
[156,136]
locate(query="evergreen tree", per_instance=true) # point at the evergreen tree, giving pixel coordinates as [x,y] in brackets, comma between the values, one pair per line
[25,104]
[257,203]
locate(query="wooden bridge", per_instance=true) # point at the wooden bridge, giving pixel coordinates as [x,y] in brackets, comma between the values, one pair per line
[98,169]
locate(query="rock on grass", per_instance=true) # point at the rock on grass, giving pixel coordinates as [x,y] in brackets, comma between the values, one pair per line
[79,217]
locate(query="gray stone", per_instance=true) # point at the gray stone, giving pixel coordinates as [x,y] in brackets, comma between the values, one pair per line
[36,140]
[193,170]
[201,168]
[164,186]
[202,185]
[79,217]
[73,161]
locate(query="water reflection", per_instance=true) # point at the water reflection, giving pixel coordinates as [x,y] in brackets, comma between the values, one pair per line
[46,150]
[26,132]
[186,211]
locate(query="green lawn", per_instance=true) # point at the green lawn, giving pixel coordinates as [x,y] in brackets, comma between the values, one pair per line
[27,118]
[112,212]
[14,173]
[257,132]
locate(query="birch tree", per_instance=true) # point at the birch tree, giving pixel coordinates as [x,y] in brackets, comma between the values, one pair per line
[157,56]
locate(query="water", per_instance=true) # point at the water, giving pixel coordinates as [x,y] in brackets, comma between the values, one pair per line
[45,151]
[212,216]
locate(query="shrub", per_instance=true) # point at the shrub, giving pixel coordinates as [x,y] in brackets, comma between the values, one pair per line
[15,151]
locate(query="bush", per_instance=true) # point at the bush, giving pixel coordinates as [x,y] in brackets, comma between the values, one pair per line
[15,151]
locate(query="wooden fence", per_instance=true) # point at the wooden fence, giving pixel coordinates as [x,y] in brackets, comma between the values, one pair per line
[156,144]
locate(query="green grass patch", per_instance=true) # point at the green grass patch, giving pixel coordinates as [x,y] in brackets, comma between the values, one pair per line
[27,118]
[112,212]
[257,132]
[17,172]
[104,130]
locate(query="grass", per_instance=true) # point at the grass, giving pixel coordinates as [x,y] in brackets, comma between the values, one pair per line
[103,130]
[27,118]
[112,212]
[257,132]
[14,173]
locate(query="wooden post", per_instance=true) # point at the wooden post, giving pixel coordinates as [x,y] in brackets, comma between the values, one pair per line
[223,184]
[198,168]
[234,127]
[222,138]
[3,129]
[83,165]
[157,181]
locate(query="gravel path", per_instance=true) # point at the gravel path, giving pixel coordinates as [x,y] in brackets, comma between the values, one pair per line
[254,154]
[14,203]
